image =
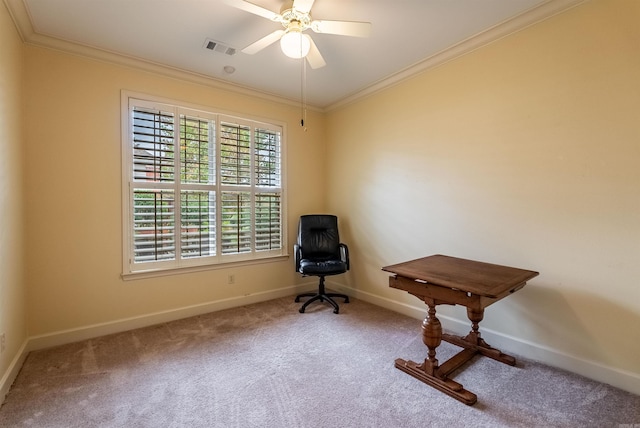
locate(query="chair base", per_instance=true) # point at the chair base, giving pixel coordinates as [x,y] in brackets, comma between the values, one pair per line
[323,296]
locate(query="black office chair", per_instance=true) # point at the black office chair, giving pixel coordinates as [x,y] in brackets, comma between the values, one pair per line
[319,252]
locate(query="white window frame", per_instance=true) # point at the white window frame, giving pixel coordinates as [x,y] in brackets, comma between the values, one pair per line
[132,269]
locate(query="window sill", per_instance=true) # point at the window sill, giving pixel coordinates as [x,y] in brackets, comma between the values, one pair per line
[131,276]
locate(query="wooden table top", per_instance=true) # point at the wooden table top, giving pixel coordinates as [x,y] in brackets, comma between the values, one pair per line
[484,279]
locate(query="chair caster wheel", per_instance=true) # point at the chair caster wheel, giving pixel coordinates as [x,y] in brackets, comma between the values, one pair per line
[297,299]
[346,300]
[335,311]
[301,310]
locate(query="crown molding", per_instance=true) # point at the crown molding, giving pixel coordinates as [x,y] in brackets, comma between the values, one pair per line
[497,32]
[19,12]
[22,19]
[20,16]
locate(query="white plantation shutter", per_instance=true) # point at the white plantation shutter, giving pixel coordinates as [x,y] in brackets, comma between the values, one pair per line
[267,158]
[235,154]
[268,210]
[235,174]
[198,192]
[153,164]
[197,153]
[268,221]
[236,222]
[153,225]
[197,224]
[202,188]
[153,145]
[250,164]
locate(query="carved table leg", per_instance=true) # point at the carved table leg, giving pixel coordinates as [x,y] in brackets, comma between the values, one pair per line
[429,371]
[431,337]
[475,342]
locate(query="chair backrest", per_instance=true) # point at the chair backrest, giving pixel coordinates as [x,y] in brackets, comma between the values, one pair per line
[318,237]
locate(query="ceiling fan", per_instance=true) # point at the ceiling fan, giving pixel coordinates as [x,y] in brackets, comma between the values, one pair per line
[295,17]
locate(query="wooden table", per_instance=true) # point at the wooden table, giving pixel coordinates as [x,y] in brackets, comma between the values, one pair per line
[448,280]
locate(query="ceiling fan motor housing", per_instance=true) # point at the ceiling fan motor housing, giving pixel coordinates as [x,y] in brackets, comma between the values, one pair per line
[294,17]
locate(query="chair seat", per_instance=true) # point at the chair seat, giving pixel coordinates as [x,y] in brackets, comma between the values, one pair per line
[329,267]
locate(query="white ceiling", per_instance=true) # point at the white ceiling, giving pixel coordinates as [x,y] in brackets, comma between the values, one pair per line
[407,36]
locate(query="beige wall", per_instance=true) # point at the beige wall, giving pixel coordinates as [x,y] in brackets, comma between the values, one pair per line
[12,291]
[525,153]
[73,194]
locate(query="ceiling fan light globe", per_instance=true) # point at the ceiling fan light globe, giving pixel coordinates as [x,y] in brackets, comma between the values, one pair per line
[294,44]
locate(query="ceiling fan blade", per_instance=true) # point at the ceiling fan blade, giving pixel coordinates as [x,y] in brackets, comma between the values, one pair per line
[254,8]
[303,5]
[314,57]
[263,42]
[343,28]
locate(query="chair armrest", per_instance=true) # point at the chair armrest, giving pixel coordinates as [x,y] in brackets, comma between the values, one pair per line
[297,251]
[344,254]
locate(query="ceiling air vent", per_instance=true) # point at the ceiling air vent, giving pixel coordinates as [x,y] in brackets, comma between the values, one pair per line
[220,47]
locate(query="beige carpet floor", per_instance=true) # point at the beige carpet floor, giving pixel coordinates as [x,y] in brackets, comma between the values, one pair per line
[266,365]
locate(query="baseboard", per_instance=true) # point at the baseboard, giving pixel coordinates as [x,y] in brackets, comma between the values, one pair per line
[12,372]
[97,330]
[622,379]
[625,380]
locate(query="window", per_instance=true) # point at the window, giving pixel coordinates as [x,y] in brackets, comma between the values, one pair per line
[200,188]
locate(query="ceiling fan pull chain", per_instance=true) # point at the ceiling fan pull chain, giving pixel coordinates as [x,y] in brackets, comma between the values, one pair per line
[303,92]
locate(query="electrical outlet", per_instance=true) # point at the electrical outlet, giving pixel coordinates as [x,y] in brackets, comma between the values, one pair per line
[2,343]
[231,279]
